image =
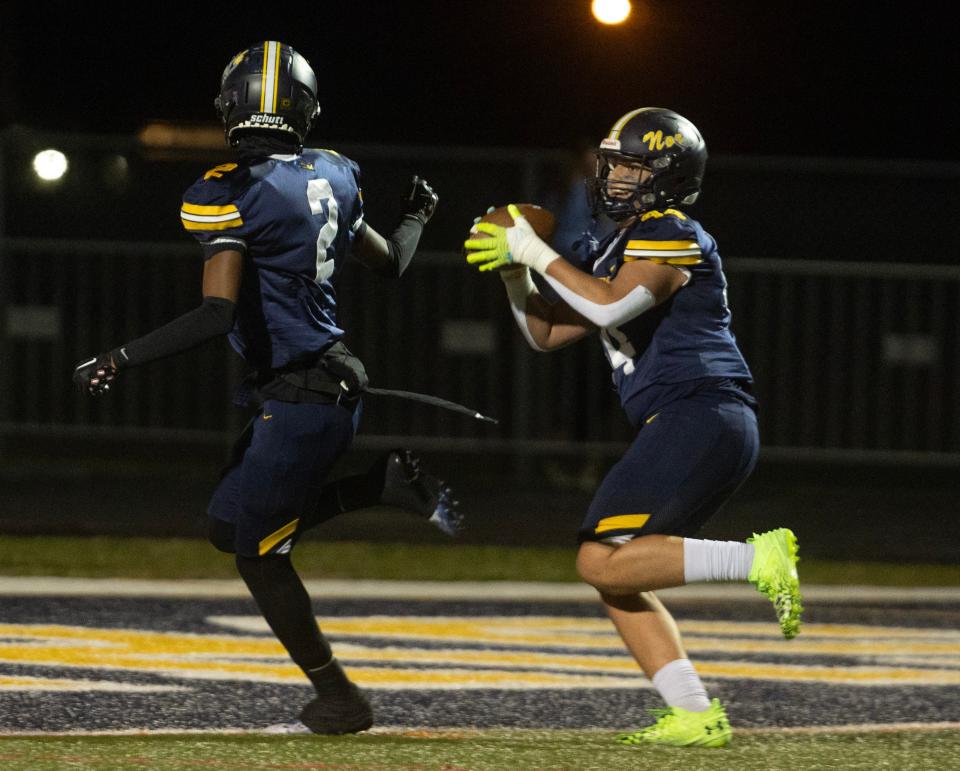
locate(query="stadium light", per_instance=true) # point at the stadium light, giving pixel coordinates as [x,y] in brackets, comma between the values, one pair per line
[168,136]
[50,165]
[611,11]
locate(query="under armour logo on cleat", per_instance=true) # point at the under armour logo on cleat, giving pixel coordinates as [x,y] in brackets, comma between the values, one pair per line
[719,726]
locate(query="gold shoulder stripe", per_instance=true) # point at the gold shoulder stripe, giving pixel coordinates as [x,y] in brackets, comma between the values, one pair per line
[188,225]
[658,214]
[660,245]
[210,214]
[196,217]
[666,260]
[621,522]
[196,208]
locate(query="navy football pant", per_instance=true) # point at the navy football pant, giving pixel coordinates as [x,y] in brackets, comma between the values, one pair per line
[276,473]
[685,462]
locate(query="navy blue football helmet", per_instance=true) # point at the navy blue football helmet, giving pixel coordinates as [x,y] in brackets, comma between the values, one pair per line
[268,88]
[660,140]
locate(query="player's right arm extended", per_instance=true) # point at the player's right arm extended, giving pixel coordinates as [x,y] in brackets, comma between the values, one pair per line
[545,327]
[390,256]
[213,317]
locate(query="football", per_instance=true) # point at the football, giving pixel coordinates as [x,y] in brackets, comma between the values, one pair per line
[540,219]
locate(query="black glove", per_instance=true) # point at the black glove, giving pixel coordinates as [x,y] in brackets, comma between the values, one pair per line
[95,375]
[421,200]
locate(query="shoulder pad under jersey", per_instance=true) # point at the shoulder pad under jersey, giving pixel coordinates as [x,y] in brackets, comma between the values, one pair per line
[665,237]
[211,203]
[325,155]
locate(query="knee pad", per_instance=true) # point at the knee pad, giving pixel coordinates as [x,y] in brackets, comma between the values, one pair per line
[221,534]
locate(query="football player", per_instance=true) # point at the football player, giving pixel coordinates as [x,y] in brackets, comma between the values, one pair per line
[275,227]
[657,296]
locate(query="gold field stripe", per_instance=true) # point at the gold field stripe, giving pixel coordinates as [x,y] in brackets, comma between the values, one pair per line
[850,675]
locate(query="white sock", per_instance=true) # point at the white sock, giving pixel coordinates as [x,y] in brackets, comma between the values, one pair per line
[680,686]
[716,560]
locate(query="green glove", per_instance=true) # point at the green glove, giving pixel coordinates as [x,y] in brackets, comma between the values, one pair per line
[517,245]
[490,253]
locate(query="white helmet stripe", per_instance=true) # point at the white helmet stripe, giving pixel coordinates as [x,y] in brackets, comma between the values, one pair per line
[618,126]
[271,73]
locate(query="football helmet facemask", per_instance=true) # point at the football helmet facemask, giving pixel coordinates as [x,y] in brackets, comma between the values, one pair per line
[666,145]
[267,88]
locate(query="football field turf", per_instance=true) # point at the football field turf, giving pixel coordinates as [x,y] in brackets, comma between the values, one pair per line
[118,674]
[491,749]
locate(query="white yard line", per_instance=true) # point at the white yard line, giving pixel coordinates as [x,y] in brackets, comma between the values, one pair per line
[473,733]
[450,590]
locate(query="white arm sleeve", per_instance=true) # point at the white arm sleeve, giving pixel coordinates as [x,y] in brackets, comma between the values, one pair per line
[638,301]
[519,287]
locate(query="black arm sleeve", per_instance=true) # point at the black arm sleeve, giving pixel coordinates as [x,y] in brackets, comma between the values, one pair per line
[212,318]
[401,244]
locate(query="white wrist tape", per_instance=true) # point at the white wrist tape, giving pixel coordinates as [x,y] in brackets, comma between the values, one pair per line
[519,287]
[527,248]
[638,301]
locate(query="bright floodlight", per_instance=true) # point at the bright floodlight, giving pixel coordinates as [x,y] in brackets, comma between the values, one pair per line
[50,164]
[611,11]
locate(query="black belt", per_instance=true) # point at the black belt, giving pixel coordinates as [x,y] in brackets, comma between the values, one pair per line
[337,377]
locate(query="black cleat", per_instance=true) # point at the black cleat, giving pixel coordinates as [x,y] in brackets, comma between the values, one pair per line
[407,486]
[338,716]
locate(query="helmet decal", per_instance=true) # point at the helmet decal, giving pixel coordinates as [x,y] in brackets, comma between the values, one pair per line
[236,60]
[271,73]
[618,126]
[657,146]
[268,88]
[656,141]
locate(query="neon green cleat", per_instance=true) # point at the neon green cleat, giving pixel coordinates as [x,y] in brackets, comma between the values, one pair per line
[774,573]
[680,728]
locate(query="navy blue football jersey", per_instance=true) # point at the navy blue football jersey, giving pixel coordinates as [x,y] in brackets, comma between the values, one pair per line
[686,338]
[294,217]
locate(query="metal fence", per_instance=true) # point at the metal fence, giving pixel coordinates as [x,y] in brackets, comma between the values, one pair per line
[850,359]
[853,359]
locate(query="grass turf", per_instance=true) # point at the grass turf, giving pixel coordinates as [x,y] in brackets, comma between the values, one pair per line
[195,558]
[478,750]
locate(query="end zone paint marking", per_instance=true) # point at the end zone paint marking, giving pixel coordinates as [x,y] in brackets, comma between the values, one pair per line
[541,591]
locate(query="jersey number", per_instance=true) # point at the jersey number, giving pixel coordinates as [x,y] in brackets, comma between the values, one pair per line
[619,349]
[319,192]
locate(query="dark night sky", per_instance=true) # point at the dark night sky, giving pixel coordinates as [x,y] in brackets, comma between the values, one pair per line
[812,79]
